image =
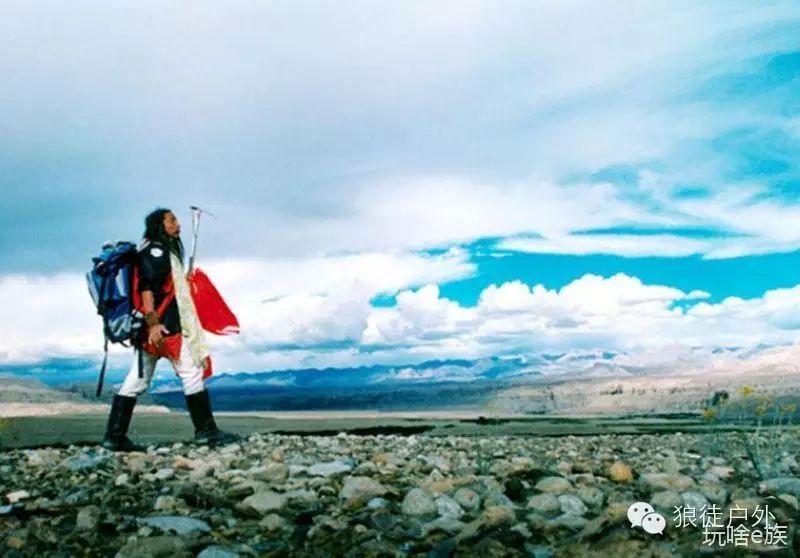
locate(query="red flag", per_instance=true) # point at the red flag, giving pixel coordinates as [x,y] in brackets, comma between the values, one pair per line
[214,314]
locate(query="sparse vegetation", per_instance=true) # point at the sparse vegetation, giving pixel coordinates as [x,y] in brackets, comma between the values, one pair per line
[4,423]
[772,421]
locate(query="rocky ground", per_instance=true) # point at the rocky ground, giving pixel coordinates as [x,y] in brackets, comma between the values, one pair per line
[389,495]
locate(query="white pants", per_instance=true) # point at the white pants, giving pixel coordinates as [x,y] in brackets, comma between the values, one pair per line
[191,376]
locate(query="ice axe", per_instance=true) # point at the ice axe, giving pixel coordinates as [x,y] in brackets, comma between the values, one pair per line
[214,314]
[196,213]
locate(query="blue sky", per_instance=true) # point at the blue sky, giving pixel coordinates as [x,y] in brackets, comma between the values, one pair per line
[746,277]
[398,183]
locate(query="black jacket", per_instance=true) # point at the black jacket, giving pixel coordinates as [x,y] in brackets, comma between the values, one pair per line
[155,273]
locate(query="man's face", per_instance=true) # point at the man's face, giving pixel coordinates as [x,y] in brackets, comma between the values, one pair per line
[171,225]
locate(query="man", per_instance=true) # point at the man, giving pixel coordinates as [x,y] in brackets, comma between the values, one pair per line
[172,330]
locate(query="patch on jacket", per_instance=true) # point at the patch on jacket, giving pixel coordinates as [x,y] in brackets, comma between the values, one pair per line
[156,251]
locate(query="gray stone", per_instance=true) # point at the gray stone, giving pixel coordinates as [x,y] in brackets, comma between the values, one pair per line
[780,485]
[165,503]
[359,490]
[447,524]
[470,530]
[244,489]
[695,501]
[297,470]
[384,521]
[177,524]
[265,501]
[217,552]
[378,503]
[271,472]
[591,496]
[155,547]
[467,499]
[498,516]
[418,504]
[77,496]
[137,462]
[278,455]
[87,518]
[722,472]
[44,457]
[667,481]
[448,507]
[367,468]
[666,500]
[330,468]
[17,495]
[301,497]
[165,473]
[538,551]
[496,498]
[545,504]
[522,529]
[568,521]
[200,472]
[714,493]
[273,522]
[85,461]
[670,464]
[554,485]
[571,504]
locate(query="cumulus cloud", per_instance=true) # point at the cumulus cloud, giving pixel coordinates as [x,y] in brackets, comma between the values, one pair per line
[329,321]
[302,302]
[320,129]
[49,316]
[593,312]
[342,146]
[628,245]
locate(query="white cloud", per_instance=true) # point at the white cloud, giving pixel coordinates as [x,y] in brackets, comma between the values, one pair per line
[255,281]
[628,245]
[333,141]
[319,300]
[318,129]
[420,317]
[47,316]
[430,211]
[330,322]
[615,313]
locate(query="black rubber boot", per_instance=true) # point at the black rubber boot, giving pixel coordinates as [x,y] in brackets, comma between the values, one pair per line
[116,438]
[205,428]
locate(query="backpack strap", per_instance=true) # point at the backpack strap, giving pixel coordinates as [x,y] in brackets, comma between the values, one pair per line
[139,360]
[159,312]
[103,368]
[167,299]
[137,299]
[103,286]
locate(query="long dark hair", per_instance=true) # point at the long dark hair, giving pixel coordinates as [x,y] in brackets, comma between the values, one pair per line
[154,231]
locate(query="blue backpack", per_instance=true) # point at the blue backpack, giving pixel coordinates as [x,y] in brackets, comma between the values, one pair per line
[110,284]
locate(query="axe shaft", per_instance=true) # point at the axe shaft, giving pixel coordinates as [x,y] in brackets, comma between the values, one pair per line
[196,213]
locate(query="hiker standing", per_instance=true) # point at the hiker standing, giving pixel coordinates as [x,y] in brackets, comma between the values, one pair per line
[172,330]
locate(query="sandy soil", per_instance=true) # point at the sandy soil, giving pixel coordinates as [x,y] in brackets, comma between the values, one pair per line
[66,408]
[168,428]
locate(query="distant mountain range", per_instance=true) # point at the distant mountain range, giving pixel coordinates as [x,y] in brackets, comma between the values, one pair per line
[431,372]
[492,382]
[572,364]
[537,368]
[455,384]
